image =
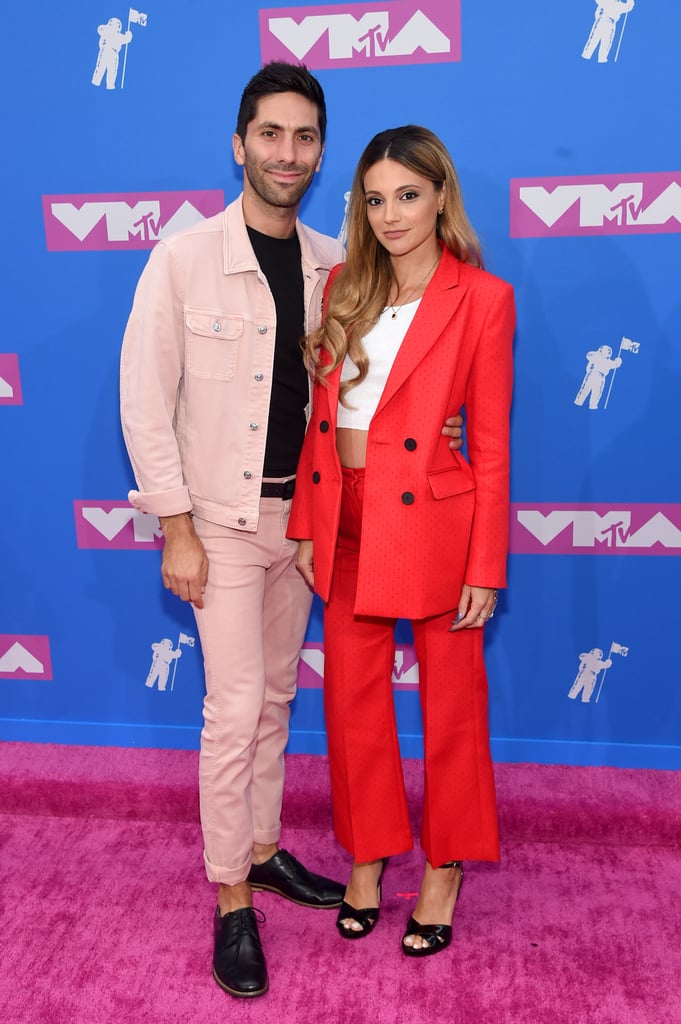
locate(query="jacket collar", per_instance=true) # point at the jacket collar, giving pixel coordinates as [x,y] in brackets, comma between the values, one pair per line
[238,251]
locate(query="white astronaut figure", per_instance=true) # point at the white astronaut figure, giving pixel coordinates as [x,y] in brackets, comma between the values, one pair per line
[160,663]
[111,38]
[598,366]
[608,13]
[589,666]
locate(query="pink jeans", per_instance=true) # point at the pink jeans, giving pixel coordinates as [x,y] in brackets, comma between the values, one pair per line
[252,627]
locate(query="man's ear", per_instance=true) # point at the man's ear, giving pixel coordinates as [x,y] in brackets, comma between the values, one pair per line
[238,149]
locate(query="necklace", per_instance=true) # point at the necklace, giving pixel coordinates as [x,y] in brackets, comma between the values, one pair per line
[396,308]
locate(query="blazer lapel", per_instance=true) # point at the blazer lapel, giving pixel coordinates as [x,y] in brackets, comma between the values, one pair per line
[439,303]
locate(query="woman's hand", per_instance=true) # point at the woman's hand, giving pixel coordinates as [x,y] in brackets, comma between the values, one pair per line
[305,562]
[476,606]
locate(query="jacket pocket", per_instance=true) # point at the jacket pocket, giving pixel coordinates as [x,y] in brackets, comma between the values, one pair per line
[446,483]
[212,343]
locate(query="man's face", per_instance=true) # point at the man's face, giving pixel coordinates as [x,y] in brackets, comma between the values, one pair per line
[282,150]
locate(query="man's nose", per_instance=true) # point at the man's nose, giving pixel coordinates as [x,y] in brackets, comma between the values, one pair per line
[286,152]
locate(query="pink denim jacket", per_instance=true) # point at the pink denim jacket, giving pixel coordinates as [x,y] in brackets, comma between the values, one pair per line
[196,368]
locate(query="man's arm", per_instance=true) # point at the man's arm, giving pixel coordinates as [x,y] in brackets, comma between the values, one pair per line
[184,566]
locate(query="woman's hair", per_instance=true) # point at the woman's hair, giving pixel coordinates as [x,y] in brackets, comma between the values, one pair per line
[360,292]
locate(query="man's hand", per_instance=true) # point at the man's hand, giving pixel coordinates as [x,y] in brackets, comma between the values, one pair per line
[305,562]
[184,566]
[452,428]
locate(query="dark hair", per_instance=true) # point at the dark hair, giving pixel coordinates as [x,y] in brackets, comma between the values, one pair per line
[278,76]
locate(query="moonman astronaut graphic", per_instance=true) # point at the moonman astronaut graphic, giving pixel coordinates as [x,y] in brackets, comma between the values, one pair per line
[608,13]
[598,366]
[160,663]
[111,38]
[589,666]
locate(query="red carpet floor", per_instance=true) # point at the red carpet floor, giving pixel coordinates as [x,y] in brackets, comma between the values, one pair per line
[105,915]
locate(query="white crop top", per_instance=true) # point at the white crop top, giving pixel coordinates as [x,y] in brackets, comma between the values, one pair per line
[382,344]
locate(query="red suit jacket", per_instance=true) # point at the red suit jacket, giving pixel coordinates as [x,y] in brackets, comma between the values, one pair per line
[432,520]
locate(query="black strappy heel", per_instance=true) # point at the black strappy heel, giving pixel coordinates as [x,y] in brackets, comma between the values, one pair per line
[367,917]
[437,936]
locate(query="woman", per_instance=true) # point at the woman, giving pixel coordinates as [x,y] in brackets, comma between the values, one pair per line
[393,524]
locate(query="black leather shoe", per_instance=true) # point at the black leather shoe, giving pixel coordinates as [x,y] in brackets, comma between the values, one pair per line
[286,876]
[238,960]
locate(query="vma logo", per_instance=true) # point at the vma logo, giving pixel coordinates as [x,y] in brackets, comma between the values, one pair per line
[595,529]
[115,525]
[608,205]
[311,667]
[363,35]
[134,220]
[10,382]
[25,657]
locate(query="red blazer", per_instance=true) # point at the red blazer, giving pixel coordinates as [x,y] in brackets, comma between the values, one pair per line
[432,520]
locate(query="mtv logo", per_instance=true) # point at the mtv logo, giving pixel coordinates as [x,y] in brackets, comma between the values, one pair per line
[607,205]
[115,525]
[405,668]
[363,34]
[10,381]
[135,220]
[596,529]
[25,657]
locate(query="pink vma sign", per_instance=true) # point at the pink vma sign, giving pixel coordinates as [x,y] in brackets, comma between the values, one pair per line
[133,220]
[363,35]
[25,657]
[608,204]
[115,525]
[603,529]
[10,381]
[311,667]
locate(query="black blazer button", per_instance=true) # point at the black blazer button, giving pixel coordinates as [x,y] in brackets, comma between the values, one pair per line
[316,477]
[408,498]
[410,444]
[324,426]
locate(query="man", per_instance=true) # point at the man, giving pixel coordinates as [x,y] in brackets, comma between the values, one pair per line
[214,401]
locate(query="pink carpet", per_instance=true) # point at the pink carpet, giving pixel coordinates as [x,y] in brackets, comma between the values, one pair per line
[105,915]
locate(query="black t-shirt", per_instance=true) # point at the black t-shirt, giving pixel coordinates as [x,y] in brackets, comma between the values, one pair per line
[279,260]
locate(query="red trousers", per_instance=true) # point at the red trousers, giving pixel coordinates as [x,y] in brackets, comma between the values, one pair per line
[371,818]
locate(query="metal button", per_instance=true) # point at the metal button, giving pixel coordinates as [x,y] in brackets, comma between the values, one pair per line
[324,426]
[259,376]
[241,521]
[262,329]
[410,444]
[253,426]
[247,475]
[408,498]
[217,326]
[316,477]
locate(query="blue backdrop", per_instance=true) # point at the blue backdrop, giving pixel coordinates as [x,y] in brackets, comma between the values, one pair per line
[564,123]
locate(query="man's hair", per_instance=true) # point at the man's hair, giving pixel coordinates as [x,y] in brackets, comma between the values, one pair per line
[279,76]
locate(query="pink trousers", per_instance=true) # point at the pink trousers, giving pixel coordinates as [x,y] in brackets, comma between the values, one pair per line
[371,817]
[252,627]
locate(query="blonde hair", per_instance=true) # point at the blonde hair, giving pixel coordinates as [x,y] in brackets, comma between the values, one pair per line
[360,291]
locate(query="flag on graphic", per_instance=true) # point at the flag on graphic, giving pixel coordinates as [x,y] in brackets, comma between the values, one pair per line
[188,640]
[630,346]
[619,649]
[137,17]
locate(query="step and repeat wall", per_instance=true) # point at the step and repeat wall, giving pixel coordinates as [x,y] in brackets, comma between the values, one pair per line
[564,123]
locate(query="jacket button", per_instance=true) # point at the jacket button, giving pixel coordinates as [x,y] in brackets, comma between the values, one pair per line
[217,326]
[241,521]
[316,477]
[259,376]
[262,329]
[410,444]
[324,426]
[408,498]
[247,474]
[252,426]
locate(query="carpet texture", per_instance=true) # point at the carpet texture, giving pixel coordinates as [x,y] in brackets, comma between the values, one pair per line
[105,915]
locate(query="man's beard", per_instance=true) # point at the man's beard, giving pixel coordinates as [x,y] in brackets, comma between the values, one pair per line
[275,193]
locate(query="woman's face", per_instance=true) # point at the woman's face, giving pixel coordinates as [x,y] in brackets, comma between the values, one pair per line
[401,208]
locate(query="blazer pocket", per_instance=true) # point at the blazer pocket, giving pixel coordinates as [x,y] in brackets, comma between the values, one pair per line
[446,483]
[212,343]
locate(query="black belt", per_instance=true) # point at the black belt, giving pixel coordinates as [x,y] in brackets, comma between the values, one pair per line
[278,489]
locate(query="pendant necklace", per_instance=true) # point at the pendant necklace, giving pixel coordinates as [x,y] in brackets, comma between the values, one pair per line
[396,309]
